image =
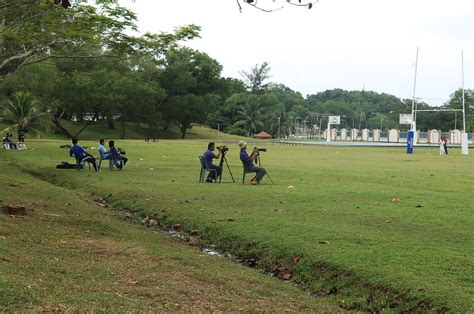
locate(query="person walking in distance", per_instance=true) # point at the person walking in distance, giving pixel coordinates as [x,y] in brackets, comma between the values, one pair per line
[445,145]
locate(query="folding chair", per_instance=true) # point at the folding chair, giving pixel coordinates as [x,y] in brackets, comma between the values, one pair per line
[204,169]
[245,172]
[81,165]
[111,163]
[119,161]
[100,162]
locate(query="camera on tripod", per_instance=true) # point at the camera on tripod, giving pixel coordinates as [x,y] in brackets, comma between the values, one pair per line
[260,149]
[223,150]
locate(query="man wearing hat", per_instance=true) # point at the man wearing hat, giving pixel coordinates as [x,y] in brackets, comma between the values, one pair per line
[248,163]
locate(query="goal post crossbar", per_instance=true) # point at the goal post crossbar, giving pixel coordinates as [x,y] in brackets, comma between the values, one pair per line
[425,110]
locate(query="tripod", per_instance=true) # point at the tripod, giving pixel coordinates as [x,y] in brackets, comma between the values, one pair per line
[221,166]
[259,163]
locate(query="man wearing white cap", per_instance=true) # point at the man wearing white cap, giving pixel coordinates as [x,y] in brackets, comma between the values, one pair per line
[248,163]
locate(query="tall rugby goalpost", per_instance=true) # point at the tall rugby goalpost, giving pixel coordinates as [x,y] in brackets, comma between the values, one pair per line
[411,119]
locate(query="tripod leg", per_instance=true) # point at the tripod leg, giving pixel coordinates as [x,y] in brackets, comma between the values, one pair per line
[230,172]
[221,166]
[260,165]
[269,177]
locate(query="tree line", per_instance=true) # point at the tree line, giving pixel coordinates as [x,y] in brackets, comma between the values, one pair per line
[79,64]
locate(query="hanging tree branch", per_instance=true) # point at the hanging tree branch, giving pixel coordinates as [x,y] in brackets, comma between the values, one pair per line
[253,3]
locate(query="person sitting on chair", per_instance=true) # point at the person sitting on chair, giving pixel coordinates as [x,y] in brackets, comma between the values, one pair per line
[81,155]
[6,145]
[9,141]
[21,138]
[248,163]
[103,153]
[208,156]
[115,154]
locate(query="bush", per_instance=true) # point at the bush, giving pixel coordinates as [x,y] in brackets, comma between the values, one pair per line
[236,131]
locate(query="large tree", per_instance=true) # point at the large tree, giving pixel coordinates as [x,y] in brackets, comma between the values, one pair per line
[192,82]
[32,31]
[23,111]
[249,115]
[256,79]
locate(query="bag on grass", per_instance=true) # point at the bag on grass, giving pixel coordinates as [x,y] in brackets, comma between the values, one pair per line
[65,165]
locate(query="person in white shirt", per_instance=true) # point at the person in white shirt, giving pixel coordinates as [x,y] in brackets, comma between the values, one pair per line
[442,151]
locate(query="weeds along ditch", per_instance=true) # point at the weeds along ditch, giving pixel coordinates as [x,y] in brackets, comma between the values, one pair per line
[313,276]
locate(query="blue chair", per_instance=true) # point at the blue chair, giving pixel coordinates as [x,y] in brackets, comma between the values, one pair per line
[81,165]
[119,161]
[100,162]
[204,169]
[111,162]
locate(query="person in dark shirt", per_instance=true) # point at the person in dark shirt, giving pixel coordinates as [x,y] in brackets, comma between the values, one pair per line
[81,155]
[9,140]
[21,138]
[115,154]
[6,145]
[248,163]
[208,156]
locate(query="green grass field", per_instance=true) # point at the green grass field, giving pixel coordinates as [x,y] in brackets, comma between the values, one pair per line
[70,254]
[358,248]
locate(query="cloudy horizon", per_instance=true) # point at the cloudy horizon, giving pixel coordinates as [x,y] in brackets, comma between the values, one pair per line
[338,44]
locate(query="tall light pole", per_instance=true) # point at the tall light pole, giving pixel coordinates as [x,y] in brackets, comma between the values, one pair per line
[352,119]
[456,120]
[463,98]
[464,144]
[366,116]
[305,120]
[279,128]
[320,125]
[413,125]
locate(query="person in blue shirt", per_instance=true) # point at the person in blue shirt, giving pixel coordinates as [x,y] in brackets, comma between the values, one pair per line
[103,153]
[115,154]
[208,156]
[81,155]
[248,163]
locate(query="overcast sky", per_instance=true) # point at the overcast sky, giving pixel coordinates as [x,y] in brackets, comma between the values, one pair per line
[345,44]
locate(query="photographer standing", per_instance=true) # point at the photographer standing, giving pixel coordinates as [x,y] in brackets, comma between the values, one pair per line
[208,156]
[248,163]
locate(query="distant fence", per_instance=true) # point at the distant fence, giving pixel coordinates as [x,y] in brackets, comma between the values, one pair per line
[396,136]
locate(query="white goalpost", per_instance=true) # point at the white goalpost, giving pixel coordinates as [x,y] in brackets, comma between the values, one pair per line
[414,110]
[464,143]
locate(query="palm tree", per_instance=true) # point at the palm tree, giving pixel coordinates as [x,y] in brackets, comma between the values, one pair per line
[24,112]
[249,115]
